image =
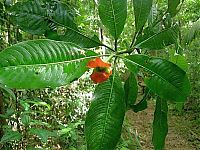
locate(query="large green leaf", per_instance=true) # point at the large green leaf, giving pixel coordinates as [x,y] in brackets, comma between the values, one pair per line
[142,10]
[80,39]
[172,7]
[167,80]
[38,18]
[63,16]
[113,15]
[105,116]
[160,125]
[159,40]
[42,63]
[131,90]
[30,16]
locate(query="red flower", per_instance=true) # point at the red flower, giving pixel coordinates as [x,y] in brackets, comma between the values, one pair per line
[101,70]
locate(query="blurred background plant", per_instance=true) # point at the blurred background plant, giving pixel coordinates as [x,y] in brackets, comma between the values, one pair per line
[54,118]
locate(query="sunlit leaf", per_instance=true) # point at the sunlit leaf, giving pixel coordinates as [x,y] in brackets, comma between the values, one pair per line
[42,63]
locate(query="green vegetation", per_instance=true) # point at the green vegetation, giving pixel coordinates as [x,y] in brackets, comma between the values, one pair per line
[47,97]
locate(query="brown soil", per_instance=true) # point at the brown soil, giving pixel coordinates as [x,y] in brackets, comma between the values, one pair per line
[141,123]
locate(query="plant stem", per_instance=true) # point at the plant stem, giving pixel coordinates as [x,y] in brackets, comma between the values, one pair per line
[115,45]
[108,48]
[134,39]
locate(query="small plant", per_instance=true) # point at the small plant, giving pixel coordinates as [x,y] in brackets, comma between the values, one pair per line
[51,63]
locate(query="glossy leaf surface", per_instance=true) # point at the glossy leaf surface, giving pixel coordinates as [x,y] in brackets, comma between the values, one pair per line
[113,15]
[142,10]
[159,40]
[37,18]
[105,116]
[42,63]
[167,80]
[63,16]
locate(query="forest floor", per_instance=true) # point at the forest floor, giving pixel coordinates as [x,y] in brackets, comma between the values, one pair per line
[183,133]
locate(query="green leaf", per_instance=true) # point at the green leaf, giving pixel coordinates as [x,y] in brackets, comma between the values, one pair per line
[42,63]
[168,80]
[11,136]
[42,134]
[153,14]
[8,114]
[158,40]
[63,16]
[160,125]
[105,116]
[172,7]
[30,16]
[113,15]
[80,39]
[36,17]
[142,105]
[26,119]
[131,90]
[142,10]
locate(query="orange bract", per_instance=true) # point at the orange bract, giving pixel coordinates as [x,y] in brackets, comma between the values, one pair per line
[99,77]
[97,63]
[101,70]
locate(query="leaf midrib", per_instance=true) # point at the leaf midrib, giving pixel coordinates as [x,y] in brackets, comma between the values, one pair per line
[114,19]
[107,110]
[154,73]
[151,37]
[139,14]
[47,17]
[54,63]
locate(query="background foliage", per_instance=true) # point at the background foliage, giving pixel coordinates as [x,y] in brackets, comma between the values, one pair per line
[37,114]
